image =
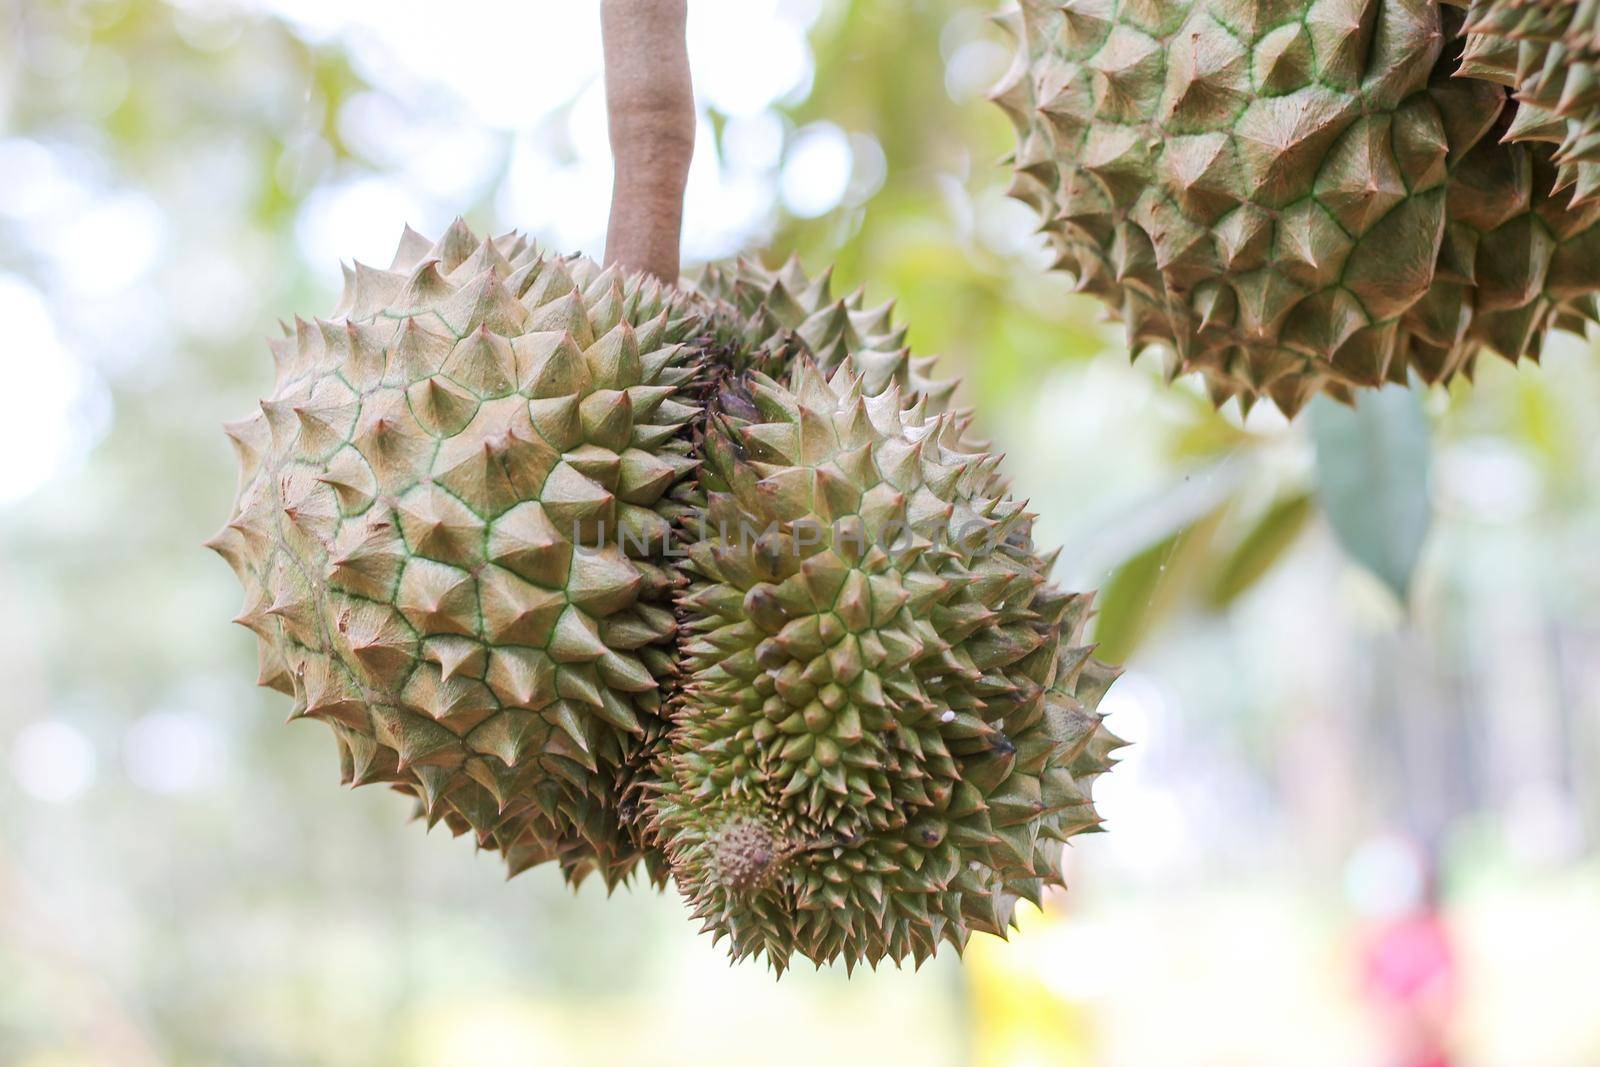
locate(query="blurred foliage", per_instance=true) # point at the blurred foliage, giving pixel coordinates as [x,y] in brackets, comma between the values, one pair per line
[1260,548]
[1145,587]
[1372,480]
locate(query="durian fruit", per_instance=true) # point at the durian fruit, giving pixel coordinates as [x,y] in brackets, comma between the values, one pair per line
[761,319]
[452,527]
[886,726]
[1292,196]
[1548,53]
[774,317]
[1515,260]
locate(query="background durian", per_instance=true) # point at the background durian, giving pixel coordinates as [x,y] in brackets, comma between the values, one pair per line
[1295,197]
[1547,52]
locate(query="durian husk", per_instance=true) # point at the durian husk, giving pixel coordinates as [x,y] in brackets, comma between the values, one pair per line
[769,319]
[1293,197]
[1547,52]
[882,742]
[453,526]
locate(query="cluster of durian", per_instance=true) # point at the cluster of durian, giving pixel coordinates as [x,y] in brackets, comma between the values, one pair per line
[708,581]
[1294,197]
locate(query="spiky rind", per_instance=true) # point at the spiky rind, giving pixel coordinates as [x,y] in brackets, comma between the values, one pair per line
[1548,53]
[452,528]
[772,317]
[887,726]
[1291,197]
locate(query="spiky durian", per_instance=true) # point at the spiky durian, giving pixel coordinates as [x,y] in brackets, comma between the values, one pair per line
[1548,53]
[761,319]
[451,527]
[887,723]
[1292,196]
[773,317]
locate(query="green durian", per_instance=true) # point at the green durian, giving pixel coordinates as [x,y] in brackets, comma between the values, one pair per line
[761,319]
[1548,53]
[1293,197]
[771,318]
[885,727]
[452,527]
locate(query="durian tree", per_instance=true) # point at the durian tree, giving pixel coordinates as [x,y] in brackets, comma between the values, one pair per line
[606,570]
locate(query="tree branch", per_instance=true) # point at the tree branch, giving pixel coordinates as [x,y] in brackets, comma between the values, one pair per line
[650,107]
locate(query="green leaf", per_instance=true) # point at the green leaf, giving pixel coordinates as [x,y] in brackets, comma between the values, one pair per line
[1372,479]
[1144,589]
[1259,549]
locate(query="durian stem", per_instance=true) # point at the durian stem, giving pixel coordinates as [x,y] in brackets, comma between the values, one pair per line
[650,107]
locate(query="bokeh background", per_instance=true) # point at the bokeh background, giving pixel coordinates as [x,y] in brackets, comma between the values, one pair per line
[1358,822]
